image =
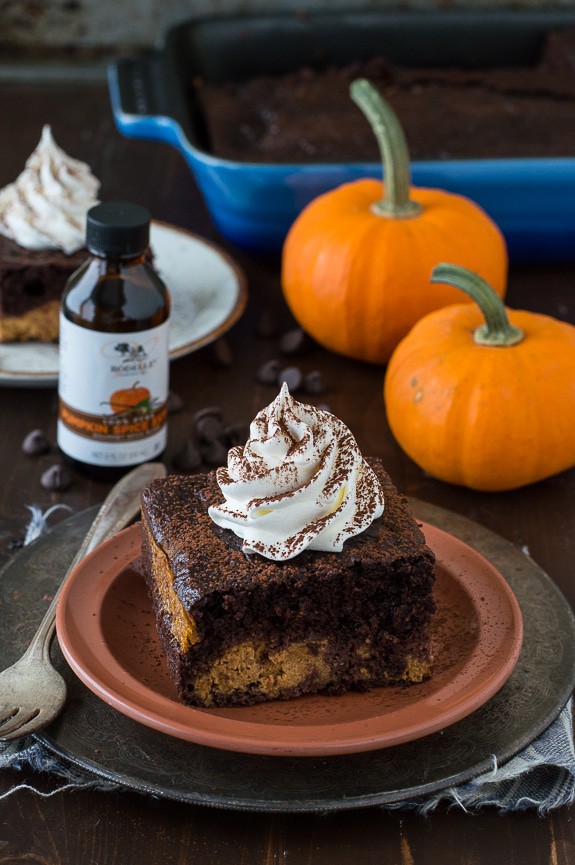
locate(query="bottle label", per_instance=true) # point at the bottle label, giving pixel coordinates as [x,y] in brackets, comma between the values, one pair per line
[113,392]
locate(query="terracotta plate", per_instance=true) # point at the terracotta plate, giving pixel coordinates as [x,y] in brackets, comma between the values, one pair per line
[107,633]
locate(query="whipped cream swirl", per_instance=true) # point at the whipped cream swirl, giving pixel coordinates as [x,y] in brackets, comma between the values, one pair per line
[46,207]
[299,483]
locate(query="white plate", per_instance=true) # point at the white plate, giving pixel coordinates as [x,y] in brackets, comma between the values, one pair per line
[208,291]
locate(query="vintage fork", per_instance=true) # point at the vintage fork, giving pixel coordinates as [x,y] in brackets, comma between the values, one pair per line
[32,692]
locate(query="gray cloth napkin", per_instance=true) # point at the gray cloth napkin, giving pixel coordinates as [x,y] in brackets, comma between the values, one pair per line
[542,776]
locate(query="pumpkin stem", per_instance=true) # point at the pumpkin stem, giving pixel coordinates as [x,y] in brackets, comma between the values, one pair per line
[393,149]
[497,330]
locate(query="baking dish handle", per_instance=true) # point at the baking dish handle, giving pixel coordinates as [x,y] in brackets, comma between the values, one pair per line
[147,102]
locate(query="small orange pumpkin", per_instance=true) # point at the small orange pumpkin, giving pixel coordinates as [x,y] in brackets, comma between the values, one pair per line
[355,266]
[486,401]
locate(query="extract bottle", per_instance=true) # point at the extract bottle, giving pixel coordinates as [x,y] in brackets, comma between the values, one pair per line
[114,352]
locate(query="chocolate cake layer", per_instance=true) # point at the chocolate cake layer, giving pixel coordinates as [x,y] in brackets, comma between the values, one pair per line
[446,113]
[243,629]
[31,286]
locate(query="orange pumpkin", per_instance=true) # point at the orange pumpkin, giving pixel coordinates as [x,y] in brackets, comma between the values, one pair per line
[355,266]
[482,398]
[130,398]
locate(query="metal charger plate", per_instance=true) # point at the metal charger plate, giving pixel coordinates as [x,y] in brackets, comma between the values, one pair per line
[95,737]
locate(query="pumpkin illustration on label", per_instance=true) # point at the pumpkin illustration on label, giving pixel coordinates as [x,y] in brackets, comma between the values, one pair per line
[130,399]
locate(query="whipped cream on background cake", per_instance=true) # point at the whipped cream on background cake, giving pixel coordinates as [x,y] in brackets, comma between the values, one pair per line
[299,483]
[46,207]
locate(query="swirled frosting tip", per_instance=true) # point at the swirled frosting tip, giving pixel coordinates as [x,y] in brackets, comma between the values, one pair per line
[46,206]
[300,482]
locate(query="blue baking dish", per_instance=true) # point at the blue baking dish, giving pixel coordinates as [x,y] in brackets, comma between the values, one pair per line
[253,204]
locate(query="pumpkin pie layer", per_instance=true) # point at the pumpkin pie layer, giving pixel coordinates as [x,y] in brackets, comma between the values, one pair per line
[240,629]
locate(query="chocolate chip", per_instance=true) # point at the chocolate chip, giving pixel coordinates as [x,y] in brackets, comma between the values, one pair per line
[268,372]
[214,410]
[236,434]
[56,478]
[35,443]
[267,324]
[214,452]
[295,341]
[292,376]
[209,427]
[175,402]
[189,458]
[313,382]
[221,352]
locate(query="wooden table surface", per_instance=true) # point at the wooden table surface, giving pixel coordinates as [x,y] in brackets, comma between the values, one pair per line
[121,827]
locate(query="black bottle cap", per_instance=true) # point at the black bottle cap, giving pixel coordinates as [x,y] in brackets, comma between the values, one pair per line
[117,228]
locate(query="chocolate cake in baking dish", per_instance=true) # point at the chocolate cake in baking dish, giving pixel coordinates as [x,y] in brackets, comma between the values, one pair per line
[238,627]
[307,116]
